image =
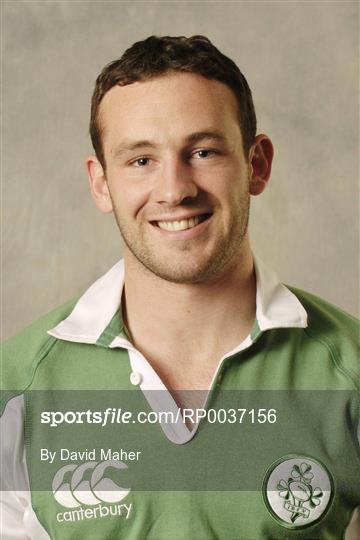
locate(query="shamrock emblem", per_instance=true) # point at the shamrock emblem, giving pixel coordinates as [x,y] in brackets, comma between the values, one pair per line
[302,473]
[297,491]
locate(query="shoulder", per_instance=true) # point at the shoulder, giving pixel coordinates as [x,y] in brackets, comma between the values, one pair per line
[21,354]
[325,317]
[332,328]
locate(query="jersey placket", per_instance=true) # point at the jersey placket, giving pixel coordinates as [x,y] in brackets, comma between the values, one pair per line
[157,395]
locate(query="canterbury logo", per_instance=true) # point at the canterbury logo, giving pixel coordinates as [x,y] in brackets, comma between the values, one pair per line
[74,485]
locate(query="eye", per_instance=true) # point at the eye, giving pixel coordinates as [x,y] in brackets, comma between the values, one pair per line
[204,153]
[140,162]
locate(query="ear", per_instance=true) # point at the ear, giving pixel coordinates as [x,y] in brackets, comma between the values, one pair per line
[98,184]
[260,160]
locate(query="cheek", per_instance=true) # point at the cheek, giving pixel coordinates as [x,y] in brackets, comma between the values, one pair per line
[228,182]
[129,198]
[229,191]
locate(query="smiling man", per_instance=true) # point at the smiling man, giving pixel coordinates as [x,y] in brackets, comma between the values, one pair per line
[195,327]
[175,173]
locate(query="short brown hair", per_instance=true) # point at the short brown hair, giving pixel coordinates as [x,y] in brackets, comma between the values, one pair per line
[153,57]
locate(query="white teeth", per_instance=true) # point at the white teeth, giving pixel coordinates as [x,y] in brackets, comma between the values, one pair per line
[179,225]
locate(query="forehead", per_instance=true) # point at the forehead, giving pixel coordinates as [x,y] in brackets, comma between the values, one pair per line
[176,103]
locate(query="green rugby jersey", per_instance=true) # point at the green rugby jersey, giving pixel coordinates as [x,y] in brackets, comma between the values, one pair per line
[276,455]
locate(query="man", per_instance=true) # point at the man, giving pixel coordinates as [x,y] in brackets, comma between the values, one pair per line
[261,380]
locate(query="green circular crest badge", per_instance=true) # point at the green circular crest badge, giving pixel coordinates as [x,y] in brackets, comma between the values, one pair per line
[298,491]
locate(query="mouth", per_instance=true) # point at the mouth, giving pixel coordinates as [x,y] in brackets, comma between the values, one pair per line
[183,224]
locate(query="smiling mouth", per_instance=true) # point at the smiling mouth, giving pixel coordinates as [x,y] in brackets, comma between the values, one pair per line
[181,225]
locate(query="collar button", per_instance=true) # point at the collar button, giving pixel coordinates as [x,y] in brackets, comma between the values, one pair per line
[135,378]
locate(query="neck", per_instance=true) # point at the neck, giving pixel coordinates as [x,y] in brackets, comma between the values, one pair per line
[199,318]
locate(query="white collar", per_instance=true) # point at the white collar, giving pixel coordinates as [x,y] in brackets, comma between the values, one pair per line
[276,306]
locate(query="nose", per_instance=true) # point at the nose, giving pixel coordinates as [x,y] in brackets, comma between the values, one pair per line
[175,182]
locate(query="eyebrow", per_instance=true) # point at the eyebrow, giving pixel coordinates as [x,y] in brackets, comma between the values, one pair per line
[208,134]
[197,136]
[128,146]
